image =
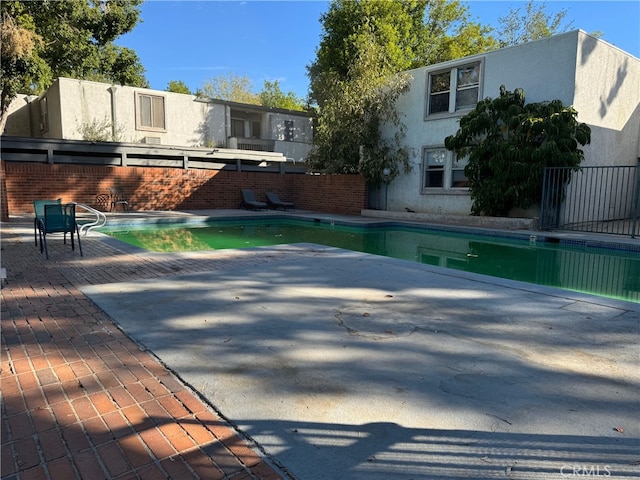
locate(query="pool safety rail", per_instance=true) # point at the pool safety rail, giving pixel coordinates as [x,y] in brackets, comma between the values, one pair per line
[592,199]
[90,218]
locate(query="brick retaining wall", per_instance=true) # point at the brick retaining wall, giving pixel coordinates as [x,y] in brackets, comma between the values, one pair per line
[153,188]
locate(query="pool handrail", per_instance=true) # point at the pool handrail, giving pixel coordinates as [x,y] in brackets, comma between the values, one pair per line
[100,220]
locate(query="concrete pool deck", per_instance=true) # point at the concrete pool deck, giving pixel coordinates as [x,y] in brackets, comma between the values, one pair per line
[318,363]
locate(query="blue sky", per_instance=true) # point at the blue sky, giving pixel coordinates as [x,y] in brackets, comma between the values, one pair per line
[196,40]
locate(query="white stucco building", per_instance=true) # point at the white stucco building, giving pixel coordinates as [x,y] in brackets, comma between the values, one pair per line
[601,81]
[140,115]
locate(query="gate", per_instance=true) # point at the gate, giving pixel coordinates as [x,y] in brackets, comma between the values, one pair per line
[591,199]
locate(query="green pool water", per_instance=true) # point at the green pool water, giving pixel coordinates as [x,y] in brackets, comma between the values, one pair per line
[606,272]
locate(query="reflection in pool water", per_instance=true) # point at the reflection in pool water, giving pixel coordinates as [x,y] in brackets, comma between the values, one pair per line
[605,272]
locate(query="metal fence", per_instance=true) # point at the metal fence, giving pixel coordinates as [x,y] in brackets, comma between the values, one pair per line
[592,199]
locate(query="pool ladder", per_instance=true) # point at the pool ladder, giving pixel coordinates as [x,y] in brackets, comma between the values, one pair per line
[99,221]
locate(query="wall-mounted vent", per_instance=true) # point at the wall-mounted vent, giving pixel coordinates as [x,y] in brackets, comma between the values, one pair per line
[151,140]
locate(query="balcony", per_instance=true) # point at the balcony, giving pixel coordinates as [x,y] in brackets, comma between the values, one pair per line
[259,144]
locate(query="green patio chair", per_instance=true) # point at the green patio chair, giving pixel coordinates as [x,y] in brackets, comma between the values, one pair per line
[58,218]
[38,207]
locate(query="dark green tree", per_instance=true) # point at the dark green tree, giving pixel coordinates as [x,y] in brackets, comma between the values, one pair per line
[509,143]
[178,86]
[348,137]
[71,38]
[273,97]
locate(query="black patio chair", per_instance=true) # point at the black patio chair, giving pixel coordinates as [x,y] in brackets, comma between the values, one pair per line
[118,198]
[275,202]
[249,201]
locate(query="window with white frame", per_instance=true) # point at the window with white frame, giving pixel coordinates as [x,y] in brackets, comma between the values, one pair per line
[150,114]
[458,177]
[441,169]
[454,89]
[434,163]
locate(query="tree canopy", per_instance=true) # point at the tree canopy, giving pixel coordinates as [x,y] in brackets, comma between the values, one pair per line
[509,143]
[273,97]
[238,88]
[72,38]
[413,33]
[348,138]
[230,87]
[532,24]
[178,86]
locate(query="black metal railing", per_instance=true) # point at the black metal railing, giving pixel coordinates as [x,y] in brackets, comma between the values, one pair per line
[592,199]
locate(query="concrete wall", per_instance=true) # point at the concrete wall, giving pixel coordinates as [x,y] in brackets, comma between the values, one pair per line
[598,79]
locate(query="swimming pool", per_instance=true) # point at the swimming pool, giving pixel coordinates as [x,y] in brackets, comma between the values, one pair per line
[613,273]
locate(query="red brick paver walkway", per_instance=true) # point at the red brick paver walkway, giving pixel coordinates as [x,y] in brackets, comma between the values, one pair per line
[79,398]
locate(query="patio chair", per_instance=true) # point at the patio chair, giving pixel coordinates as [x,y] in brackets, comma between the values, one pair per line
[58,218]
[249,200]
[118,198]
[102,202]
[275,202]
[38,207]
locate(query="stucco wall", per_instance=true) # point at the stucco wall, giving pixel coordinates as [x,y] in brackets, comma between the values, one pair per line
[73,104]
[217,122]
[83,102]
[19,109]
[55,111]
[608,99]
[545,69]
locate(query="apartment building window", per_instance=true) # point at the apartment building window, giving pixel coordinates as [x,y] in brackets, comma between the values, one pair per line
[256,128]
[150,113]
[454,89]
[458,177]
[442,169]
[241,128]
[288,130]
[237,128]
[434,163]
